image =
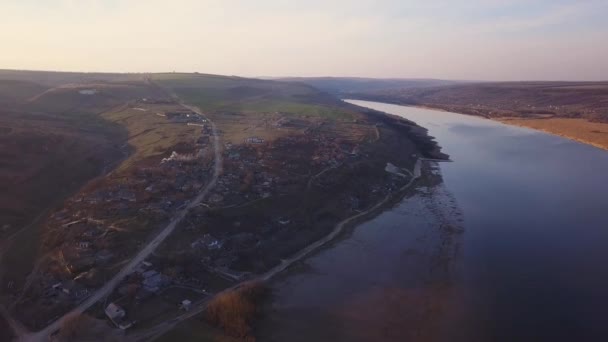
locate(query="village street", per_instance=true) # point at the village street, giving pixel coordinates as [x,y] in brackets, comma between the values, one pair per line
[144,253]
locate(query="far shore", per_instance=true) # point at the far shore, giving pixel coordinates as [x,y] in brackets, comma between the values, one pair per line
[580,130]
[576,129]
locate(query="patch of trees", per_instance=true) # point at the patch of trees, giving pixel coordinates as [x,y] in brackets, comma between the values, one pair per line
[234,312]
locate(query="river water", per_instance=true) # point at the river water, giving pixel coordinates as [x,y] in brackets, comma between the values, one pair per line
[512,246]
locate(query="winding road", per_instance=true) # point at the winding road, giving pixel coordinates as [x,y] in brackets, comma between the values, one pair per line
[144,253]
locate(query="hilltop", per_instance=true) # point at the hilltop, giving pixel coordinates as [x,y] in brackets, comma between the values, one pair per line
[344,86]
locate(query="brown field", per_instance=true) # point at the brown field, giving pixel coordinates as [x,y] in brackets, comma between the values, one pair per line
[592,133]
[150,134]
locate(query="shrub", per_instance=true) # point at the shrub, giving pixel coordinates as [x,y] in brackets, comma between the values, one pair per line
[235,311]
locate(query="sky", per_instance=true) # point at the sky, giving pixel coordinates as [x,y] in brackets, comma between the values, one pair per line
[465,39]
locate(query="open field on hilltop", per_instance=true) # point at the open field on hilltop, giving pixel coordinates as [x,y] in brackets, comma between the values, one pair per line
[74,101]
[347,85]
[244,108]
[150,134]
[56,78]
[235,94]
[13,91]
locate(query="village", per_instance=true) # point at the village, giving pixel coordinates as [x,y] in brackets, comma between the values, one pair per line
[264,207]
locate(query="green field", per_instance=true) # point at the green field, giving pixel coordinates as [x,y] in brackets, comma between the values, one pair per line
[242,95]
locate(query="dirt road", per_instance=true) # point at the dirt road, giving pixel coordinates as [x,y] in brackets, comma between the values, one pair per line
[109,286]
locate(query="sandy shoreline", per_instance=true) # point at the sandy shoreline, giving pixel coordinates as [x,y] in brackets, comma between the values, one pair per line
[580,130]
[556,127]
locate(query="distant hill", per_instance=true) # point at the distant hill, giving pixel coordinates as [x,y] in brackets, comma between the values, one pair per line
[347,85]
[588,100]
[56,78]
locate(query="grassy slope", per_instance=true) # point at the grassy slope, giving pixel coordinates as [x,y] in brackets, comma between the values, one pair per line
[56,143]
[235,94]
[14,91]
[149,135]
[55,78]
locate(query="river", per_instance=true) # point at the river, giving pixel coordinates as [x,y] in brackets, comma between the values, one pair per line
[512,246]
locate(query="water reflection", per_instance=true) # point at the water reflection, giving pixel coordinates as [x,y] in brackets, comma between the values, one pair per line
[530,265]
[389,281]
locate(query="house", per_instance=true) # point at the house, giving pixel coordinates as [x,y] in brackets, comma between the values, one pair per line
[117,315]
[154,281]
[185,305]
[83,244]
[148,274]
[254,140]
[72,289]
[82,264]
[207,241]
[143,267]
[114,312]
[87,91]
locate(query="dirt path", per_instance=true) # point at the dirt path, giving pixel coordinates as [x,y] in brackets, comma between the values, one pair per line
[107,289]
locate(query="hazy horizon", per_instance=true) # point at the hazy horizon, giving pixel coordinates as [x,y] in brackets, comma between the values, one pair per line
[492,40]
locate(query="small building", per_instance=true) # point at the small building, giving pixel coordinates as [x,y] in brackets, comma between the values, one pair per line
[87,91]
[154,281]
[254,140]
[117,315]
[72,289]
[207,241]
[83,244]
[114,312]
[185,305]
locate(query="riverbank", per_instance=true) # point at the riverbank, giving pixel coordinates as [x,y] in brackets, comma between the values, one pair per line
[387,279]
[580,130]
[571,126]
[575,129]
[181,327]
[524,244]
